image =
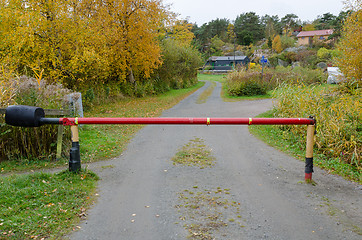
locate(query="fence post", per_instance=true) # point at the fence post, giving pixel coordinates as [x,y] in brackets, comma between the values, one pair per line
[74,159]
[309,153]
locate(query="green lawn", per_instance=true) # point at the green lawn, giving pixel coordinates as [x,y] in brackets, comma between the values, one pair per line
[41,205]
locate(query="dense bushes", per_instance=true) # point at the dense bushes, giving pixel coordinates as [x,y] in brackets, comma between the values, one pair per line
[18,142]
[339,116]
[249,83]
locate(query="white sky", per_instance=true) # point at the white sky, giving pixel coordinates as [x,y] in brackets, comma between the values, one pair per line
[201,11]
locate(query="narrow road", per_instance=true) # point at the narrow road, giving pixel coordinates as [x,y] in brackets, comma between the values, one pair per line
[142,195]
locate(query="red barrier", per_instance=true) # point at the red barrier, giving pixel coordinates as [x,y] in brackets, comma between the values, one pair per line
[190,121]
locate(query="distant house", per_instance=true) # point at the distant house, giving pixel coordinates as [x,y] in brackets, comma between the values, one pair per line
[306,37]
[225,63]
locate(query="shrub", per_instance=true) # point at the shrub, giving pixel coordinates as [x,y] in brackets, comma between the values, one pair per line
[324,54]
[16,142]
[287,42]
[338,116]
[248,83]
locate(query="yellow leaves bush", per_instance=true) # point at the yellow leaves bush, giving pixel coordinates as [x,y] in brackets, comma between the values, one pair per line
[339,118]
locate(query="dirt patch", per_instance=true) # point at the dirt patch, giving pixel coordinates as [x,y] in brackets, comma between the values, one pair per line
[194,153]
[206,94]
[209,214]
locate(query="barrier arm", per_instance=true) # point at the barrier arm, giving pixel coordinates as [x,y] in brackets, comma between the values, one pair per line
[26,116]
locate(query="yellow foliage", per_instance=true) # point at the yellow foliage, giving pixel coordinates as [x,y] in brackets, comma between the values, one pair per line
[7,88]
[277,44]
[338,116]
[308,27]
[181,32]
[350,46]
[83,42]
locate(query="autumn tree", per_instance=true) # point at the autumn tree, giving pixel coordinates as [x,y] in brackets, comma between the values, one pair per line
[350,45]
[83,42]
[181,31]
[277,44]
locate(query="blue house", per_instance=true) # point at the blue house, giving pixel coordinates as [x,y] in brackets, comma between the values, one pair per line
[225,62]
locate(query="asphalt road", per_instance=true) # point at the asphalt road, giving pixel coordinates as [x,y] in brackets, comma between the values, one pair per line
[139,191]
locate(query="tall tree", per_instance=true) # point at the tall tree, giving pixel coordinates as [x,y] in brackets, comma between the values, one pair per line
[248,28]
[350,45]
[219,27]
[272,25]
[326,21]
[289,23]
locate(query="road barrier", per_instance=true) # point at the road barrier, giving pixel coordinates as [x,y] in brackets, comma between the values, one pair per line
[27,116]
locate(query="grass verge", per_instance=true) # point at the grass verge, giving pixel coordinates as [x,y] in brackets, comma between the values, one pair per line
[283,140]
[44,206]
[206,94]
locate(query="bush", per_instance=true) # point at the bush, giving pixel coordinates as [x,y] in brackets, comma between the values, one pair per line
[248,83]
[16,142]
[339,129]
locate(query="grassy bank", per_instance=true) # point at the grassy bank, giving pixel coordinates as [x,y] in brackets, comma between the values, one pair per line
[282,139]
[41,205]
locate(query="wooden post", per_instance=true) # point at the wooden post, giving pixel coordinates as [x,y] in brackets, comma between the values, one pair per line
[59,142]
[309,153]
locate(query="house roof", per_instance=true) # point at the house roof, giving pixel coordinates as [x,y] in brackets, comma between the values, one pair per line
[227,58]
[315,33]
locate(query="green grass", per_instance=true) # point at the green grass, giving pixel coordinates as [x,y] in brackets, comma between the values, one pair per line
[282,139]
[21,165]
[42,205]
[210,77]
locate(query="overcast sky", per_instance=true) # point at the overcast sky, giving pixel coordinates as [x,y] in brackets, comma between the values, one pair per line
[201,11]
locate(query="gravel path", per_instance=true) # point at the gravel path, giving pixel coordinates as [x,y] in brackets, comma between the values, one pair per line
[141,192]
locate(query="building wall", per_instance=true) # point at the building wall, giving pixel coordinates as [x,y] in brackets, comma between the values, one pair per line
[305,40]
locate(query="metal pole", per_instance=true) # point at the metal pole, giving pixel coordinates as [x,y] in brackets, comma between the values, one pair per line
[185,121]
